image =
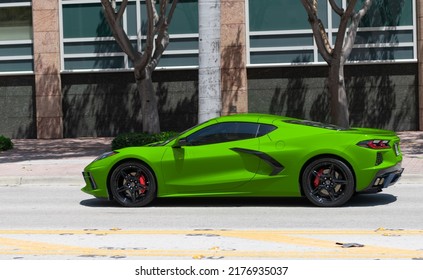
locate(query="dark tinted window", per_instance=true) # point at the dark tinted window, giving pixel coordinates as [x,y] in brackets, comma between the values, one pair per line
[264,129]
[223,132]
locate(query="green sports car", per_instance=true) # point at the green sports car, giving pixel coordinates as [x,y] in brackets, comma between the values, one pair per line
[249,155]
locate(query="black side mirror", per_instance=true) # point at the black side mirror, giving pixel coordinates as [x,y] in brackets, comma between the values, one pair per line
[181,143]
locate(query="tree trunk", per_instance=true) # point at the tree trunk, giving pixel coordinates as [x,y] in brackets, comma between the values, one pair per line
[338,95]
[149,108]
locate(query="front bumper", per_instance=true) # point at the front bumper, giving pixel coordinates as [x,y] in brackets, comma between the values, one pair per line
[385,178]
[92,188]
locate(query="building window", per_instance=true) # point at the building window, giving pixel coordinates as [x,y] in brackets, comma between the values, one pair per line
[88,44]
[280,34]
[16,53]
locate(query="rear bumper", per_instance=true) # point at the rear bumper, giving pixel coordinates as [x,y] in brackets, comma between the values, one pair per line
[385,178]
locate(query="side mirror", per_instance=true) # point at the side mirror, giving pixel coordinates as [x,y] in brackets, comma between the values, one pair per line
[181,143]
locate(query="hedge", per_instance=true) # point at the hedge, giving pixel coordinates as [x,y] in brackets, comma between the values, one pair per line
[135,139]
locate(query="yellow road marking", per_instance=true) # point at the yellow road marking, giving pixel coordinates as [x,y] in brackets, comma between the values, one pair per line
[308,248]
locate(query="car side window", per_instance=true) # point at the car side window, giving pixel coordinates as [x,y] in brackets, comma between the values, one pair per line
[265,129]
[223,132]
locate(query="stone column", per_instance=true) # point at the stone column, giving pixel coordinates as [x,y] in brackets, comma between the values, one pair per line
[48,96]
[233,57]
[420,59]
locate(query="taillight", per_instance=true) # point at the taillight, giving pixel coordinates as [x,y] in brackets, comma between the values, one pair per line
[375,144]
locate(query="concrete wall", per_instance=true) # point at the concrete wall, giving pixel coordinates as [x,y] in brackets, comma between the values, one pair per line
[102,104]
[379,96]
[17,107]
[109,104]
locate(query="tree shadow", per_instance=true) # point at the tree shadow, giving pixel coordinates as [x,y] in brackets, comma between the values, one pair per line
[233,74]
[18,107]
[107,104]
[379,97]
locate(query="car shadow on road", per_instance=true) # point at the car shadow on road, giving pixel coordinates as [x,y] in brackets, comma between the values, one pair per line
[362,200]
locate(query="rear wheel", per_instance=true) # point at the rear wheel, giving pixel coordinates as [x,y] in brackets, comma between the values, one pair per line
[328,182]
[133,184]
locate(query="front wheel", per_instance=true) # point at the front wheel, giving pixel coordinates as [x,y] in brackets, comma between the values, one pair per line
[328,182]
[133,184]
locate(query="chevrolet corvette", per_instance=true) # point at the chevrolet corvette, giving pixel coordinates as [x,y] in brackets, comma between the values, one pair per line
[251,155]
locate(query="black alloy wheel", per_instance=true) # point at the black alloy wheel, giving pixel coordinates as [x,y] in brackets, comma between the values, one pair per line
[328,182]
[133,184]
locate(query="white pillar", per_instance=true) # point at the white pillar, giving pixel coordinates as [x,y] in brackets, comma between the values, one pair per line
[209,96]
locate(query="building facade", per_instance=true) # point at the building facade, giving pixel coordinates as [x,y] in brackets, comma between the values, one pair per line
[62,75]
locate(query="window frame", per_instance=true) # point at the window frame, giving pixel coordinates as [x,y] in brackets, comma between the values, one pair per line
[331,30]
[137,39]
[24,58]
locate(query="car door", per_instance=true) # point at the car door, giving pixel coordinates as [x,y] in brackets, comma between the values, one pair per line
[209,163]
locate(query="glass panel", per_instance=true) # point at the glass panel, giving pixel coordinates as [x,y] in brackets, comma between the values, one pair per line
[389,13]
[223,132]
[281,15]
[84,20]
[15,50]
[94,63]
[131,13]
[178,60]
[282,57]
[15,23]
[183,44]
[381,54]
[87,20]
[281,40]
[265,129]
[16,65]
[15,1]
[92,47]
[184,21]
[404,36]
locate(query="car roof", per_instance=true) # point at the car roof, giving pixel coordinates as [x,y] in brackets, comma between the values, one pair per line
[252,117]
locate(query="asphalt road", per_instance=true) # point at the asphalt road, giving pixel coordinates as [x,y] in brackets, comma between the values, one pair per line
[61,222]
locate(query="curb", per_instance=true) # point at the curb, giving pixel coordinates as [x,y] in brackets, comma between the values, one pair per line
[38,180]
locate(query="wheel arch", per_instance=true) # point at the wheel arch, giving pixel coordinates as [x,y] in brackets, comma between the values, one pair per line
[133,159]
[326,155]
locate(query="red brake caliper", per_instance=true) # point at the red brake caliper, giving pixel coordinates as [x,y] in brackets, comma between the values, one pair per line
[317,179]
[143,184]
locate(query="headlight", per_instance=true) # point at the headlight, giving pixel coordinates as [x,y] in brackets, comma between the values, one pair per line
[105,155]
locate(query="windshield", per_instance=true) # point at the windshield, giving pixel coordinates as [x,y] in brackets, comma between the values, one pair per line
[165,142]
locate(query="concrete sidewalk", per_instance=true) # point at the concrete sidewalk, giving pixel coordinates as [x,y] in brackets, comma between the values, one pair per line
[61,161]
[58,161]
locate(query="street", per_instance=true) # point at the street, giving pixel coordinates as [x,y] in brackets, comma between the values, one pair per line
[61,222]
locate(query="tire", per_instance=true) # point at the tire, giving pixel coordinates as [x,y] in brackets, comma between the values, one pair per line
[133,184]
[328,182]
